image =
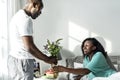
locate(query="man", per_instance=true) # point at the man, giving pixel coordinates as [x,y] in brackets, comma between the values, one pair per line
[23,50]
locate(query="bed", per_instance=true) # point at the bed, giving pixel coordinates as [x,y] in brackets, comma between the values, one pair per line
[75,62]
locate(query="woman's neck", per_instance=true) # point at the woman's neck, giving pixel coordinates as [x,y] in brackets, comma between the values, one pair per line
[90,56]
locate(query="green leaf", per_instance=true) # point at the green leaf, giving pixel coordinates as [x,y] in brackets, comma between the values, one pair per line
[53,47]
[48,41]
[58,40]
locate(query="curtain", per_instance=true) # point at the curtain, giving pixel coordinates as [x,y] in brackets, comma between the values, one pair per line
[3,39]
[8,9]
[14,6]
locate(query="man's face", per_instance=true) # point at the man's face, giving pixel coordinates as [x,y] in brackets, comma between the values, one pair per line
[35,12]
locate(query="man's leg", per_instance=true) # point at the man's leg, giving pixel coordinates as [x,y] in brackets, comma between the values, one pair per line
[26,69]
[20,69]
[12,68]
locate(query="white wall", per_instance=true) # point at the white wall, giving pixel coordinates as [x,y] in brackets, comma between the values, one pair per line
[98,16]
[95,16]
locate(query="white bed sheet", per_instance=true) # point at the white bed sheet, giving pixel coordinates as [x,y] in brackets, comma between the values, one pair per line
[115,76]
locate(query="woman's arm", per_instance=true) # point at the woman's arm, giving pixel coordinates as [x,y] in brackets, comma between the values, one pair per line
[79,71]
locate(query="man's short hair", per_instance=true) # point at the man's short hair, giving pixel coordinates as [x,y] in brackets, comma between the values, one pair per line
[37,2]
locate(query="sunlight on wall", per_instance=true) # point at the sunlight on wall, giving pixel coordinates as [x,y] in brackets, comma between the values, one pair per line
[94,34]
[107,45]
[76,35]
[73,43]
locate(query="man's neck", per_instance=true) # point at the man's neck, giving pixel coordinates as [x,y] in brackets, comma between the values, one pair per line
[27,12]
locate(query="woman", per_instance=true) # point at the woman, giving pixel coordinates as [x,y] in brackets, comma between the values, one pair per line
[95,63]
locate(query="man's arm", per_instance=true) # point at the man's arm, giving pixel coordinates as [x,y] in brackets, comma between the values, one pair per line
[31,47]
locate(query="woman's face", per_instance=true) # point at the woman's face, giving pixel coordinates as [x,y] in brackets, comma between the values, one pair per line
[88,47]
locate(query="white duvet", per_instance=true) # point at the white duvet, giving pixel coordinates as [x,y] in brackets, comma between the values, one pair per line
[115,76]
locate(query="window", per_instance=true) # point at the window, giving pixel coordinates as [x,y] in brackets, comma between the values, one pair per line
[3,39]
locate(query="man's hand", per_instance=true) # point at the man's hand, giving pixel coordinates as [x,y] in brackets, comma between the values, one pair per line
[53,60]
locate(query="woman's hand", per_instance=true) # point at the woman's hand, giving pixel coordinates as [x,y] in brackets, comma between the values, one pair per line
[58,68]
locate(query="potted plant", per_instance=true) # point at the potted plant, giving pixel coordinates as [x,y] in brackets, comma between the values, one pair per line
[53,48]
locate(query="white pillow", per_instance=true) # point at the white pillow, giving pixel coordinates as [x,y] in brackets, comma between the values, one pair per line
[76,65]
[116,66]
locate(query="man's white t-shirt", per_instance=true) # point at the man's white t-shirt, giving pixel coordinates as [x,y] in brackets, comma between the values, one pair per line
[20,25]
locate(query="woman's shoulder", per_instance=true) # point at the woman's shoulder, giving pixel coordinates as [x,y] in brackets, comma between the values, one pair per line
[100,54]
